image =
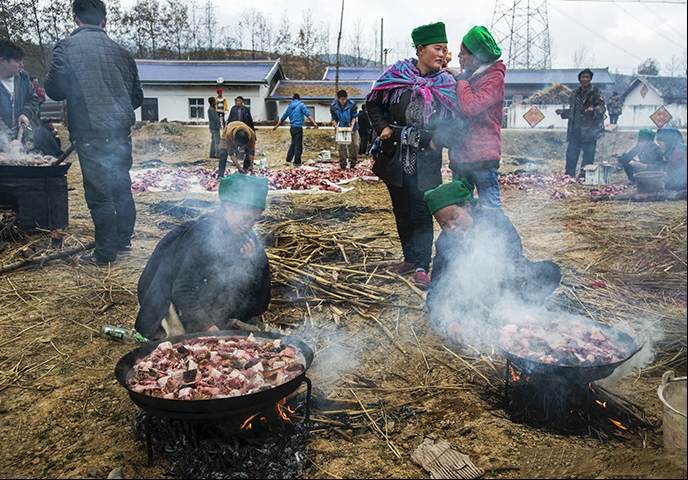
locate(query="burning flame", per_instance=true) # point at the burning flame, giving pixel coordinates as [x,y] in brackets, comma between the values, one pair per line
[617,423]
[515,377]
[601,404]
[247,424]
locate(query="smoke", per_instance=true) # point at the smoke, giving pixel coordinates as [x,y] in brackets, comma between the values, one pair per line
[479,288]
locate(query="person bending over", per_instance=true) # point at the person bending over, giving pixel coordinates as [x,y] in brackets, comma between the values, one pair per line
[479,268]
[211,273]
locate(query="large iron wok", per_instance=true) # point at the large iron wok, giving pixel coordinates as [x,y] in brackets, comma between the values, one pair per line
[244,405]
[579,374]
[30,171]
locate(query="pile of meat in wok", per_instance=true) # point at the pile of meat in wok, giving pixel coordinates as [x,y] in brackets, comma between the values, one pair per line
[561,342]
[26,159]
[206,368]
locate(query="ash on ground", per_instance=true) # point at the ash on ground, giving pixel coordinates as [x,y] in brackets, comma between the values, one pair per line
[219,450]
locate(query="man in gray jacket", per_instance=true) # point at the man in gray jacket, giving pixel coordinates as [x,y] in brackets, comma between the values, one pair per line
[100,82]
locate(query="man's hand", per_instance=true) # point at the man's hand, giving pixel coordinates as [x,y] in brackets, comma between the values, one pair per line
[559,111]
[23,120]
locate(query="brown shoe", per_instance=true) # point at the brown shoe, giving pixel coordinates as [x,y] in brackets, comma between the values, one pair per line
[403,268]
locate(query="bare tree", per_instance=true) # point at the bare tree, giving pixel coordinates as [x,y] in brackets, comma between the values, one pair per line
[12,24]
[683,64]
[175,17]
[57,20]
[582,57]
[252,21]
[283,40]
[144,23]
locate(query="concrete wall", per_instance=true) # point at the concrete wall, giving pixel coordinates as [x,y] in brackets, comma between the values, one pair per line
[633,117]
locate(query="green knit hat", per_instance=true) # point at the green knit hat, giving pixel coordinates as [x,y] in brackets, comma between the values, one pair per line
[244,189]
[646,134]
[429,34]
[480,42]
[456,191]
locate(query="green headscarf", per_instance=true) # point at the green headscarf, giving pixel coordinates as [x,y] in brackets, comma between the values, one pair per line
[454,192]
[244,189]
[429,34]
[480,43]
[646,134]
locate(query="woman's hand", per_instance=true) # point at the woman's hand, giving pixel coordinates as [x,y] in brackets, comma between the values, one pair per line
[386,133]
[213,329]
[248,250]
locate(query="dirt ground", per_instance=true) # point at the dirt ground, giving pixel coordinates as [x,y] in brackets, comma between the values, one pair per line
[387,377]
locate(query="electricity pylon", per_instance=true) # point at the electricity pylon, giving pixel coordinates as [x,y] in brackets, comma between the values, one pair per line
[521,29]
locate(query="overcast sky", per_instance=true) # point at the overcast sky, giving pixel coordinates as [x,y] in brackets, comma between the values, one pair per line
[617,34]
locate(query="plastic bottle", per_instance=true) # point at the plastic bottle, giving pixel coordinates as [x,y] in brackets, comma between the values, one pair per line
[123,334]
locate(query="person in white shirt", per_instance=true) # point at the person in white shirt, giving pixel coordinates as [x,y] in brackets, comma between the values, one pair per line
[18,98]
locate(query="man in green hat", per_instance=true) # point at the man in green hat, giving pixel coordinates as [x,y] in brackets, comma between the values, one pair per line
[480,86]
[211,273]
[645,156]
[479,272]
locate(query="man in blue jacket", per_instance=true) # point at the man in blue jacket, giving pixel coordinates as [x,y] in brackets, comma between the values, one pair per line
[344,114]
[100,82]
[297,112]
[18,98]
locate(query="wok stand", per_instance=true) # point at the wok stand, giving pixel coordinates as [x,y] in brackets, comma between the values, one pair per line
[204,417]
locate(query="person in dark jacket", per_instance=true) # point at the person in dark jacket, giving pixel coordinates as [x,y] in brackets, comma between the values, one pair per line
[100,82]
[615,106]
[645,156]
[45,139]
[214,126]
[479,269]
[407,106]
[480,95]
[365,130]
[586,123]
[241,113]
[344,113]
[671,142]
[211,273]
[18,98]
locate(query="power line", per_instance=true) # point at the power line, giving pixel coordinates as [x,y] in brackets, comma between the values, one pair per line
[644,24]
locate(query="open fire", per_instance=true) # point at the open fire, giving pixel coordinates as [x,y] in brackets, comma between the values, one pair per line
[572,408]
[267,444]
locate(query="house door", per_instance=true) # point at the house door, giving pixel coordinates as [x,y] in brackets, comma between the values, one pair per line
[149,110]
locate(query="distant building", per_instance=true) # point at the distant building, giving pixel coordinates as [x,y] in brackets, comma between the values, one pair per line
[652,101]
[522,83]
[178,90]
[317,95]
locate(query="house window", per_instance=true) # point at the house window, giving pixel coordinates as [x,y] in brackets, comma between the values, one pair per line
[311,112]
[196,108]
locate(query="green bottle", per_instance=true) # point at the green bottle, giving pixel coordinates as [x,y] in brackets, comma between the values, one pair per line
[123,334]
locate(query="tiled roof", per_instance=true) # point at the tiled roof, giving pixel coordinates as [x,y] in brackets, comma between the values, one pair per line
[601,76]
[320,89]
[668,87]
[352,73]
[207,71]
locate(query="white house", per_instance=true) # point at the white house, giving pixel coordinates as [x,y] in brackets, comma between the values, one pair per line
[178,90]
[649,102]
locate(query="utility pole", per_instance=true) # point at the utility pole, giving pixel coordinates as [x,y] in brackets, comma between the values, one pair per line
[382,32]
[339,41]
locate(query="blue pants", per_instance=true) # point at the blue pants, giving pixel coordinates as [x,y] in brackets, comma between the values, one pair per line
[105,164]
[573,152]
[485,181]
